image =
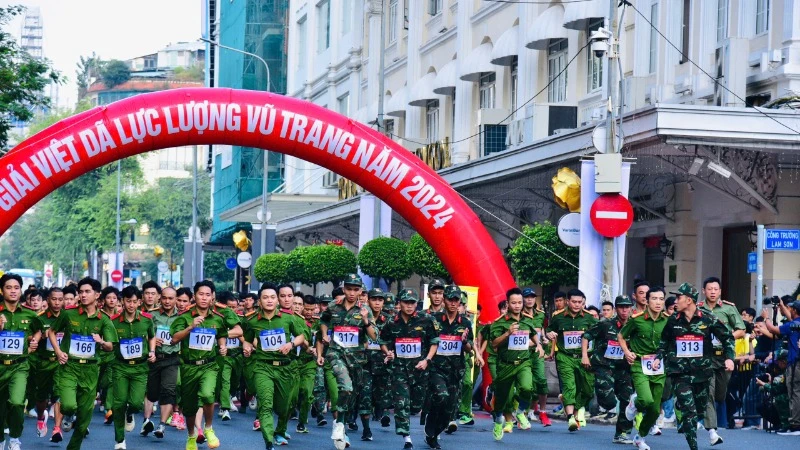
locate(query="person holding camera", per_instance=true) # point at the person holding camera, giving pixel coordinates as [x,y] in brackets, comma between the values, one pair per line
[790,330]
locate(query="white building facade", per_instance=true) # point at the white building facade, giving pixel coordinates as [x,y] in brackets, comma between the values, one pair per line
[509,87]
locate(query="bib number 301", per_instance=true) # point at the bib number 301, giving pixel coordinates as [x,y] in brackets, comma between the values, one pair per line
[408,347]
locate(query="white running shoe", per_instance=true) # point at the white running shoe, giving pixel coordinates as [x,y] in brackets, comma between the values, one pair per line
[713,437]
[130,423]
[655,430]
[14,444]
[120,446]
[630,410]
[639,442]
[338,436]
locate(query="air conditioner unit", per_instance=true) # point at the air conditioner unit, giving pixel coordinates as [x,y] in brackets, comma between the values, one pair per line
[730,69]
[330,180]
[548,118]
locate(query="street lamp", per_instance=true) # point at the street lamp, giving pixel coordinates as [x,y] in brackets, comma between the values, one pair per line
[264,187]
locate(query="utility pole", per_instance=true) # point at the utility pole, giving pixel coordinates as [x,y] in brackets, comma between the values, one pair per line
[611,145]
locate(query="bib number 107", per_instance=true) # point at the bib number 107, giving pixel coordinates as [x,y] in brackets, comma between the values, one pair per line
[424,197]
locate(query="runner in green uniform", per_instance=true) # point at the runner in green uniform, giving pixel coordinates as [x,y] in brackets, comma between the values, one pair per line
[325,387]
[230,365]
[286,303]
[200,332]
[375,398]
[20,332]
[86,331]
[108,302]
[536,316]
[266,349]
[308,363]
[45,365]
[135,348]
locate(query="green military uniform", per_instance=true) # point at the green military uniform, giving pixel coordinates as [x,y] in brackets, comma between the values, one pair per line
[537,362]
[729,315]
[162,378]
[230,365]
[295,370]
[21,325]
[105,381]
[199,350]
[642,333]
[577,382]
[377,374]
[130,366]
[612,372]
[346,349]
[269,368]
[513,363]
[307,370]
[76,381]
[324,381]
[448,370]
[687,351]
[468,380]
[410,341]
[43,362]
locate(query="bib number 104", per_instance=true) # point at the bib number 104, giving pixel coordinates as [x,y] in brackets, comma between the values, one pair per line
[424,197]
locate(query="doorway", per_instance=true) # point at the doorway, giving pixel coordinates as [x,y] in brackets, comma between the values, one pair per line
[735,279]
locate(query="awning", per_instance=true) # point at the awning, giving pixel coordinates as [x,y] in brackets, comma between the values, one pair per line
[423,90]
[398,103]
[445,82]
[478,62]
[577,15]
[549,25]
[507,47]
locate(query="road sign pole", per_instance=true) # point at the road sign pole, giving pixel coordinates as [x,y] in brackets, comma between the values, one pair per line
[760,269]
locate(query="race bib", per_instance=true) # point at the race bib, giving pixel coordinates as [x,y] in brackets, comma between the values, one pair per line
[11,342]
[202,339]
[647,366]
[346,337]
[373,345]
[519,341]
[614,351]
[715,342]
[131,348]
[572,340]
[81,347]
[162,332]
[233,343]
[408,347]
[59,337]
[449,345]
[272,340]
[689,346]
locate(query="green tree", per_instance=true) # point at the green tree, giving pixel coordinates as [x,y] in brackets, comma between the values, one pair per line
[272,267]
[88,69]
[533,257]
[296,265]
[22,78]
[214,269]
[423,261]
[335,263]
[385,257]
[114,73]
[194,73]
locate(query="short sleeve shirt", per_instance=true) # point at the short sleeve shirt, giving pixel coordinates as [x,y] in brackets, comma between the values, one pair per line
[269,334]
[201,343]
[338,318]
[140,330]
[20,326]
[794,339]
[570,329]
[78,325]
[506,352]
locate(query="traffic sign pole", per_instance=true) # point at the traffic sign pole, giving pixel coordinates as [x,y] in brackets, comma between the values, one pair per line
[760,269]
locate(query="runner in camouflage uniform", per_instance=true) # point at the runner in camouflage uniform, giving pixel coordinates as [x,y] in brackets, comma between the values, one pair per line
[375,398]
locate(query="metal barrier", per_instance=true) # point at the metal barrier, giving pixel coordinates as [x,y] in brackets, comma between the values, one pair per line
[744,397]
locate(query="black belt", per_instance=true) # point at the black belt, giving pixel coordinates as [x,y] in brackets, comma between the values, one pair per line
[11,362]
[133,362]
[199,362]
[162,356]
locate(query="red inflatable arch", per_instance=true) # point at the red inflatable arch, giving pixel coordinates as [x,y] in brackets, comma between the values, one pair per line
[146,122]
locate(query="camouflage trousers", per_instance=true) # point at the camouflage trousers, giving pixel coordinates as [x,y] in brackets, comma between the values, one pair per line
[612,384]
[348,368]
[441,405]
[691,397]
[375,395]
[325,388]
[409,387]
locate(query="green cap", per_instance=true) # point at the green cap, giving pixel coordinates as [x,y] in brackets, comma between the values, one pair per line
[376,292]
[436,283]
[408,295]
[464,298]
[353,279]
[452,291]
[389,298]
[686,289]
[622,300]
[325,298]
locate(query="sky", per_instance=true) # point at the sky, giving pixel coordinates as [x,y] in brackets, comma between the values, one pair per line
[114,29]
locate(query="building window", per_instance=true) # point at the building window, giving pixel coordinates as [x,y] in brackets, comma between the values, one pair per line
[722,20]
[392,21]
[347,12]
[302,38]
[514,78]
[685,22]
[343,104]
[432,120]
[323,26]
[434,7]
[762,16]
[388,126]
[594,76]
[653,61]
[486,86]
[556,62]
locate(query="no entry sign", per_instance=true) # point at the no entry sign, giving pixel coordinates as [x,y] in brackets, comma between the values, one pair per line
[611,215]
[116,276]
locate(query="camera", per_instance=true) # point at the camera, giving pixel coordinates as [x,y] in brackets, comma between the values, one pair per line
[601,40]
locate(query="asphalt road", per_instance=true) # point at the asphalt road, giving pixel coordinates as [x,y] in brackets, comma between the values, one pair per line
[237,434]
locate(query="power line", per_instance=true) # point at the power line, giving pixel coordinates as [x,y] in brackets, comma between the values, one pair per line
[714,79]
[534,2]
